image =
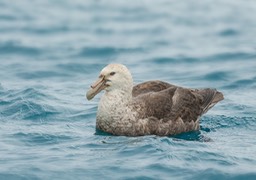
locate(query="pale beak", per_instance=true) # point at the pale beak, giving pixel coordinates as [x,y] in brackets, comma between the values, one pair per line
[96,87]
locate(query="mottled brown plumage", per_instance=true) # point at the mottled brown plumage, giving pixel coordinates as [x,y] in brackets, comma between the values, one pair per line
[152,107]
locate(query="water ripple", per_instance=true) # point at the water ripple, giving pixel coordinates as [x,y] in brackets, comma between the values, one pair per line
[32,139]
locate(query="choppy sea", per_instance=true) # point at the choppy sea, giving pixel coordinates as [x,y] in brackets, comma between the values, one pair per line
[51,51]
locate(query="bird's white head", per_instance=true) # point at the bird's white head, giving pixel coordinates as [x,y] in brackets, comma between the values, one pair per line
[112,77]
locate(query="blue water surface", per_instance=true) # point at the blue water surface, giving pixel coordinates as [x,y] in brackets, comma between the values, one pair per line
[51,51]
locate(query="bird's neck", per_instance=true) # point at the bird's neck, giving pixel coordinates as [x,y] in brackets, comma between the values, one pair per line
[118,96]
[113,100]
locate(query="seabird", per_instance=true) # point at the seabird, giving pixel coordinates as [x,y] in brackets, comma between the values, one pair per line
[149,108]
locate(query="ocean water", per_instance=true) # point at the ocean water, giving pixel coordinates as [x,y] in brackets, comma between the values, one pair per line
[51,51]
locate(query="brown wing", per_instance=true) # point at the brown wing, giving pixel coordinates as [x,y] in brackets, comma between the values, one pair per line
[174,109]
[155,104]
[186,105]
[177,102]
[150,86]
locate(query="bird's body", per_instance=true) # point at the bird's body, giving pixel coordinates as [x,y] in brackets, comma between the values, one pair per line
[152,107]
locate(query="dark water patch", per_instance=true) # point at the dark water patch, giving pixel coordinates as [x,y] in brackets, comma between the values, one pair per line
[240,84]
[164,60]
[213,174]
[192,136]
[4,103]
[17,176]
[187,59]
[101,133]
[170,60]
[228,32]
[104,31]
[230,86]
[238,56]
[205,129]
[217,76]
[162,43]
[142,177]
[210,174]
[7,17]
[46,30]
[11,47]
[247,176]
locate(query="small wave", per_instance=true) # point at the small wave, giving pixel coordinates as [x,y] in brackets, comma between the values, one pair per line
[41,138]
[28,110]
[82,115]
[26,104]
[27,92]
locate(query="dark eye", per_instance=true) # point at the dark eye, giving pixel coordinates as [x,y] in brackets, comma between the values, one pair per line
[112,73]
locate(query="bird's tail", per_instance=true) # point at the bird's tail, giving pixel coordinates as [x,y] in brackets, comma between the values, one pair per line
[210,98]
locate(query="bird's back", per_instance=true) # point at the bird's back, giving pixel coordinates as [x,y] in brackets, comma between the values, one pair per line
[172,109]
